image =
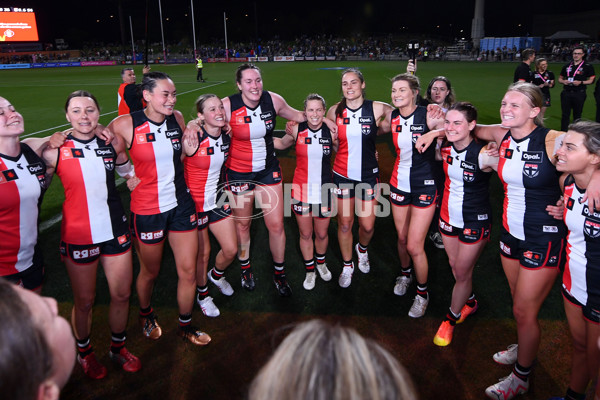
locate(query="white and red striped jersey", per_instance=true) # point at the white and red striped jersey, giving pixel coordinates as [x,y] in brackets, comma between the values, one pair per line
[92,211]
[22,186]
[466,188]
[313,163]
[530,184]
[156,153]
[581,277]
[357,131]
[411,168]
[203,169]
[252,148]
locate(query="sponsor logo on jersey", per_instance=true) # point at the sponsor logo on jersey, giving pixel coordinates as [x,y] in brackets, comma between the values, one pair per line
[346,121]
[276,175]
[204,220]
[468,165]
[482,217]
[172,133]
[429,182]
[417,128]
[123,239]
[468,176]
[239,188]
[396,128]
[143,128]
[532,257]
[425,197]
[109,163]
[266,115]
[531,170]
[143,138]
[449,160]
[10,175]
[225,148]
[365,120]
[193,219]
[504,248]
[307,140]
[247,119]
[299,208]
[35,168]
[324,141]
[586,212]
[550,229]
[176,143]
[104,152]
[532,156]
[152,235]
[470,233]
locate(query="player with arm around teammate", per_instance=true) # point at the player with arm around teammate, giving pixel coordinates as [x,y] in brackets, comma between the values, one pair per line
[355,169]
[94,229]
[312,184]
[203,167]
[578,158]
[465,218]
[161,206]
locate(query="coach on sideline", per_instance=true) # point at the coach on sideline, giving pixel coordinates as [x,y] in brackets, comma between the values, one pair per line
[128,98]
[575,76]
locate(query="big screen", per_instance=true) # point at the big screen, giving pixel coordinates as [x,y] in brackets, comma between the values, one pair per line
[18,25]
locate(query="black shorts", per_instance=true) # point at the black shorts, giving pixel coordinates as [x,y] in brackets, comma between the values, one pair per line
[89,253]
[322,210]
[422,198]
[366,190]
[471,233]
[31,279]
[242,182]
[591,312]
[153,229]
[540,252]
[215,215]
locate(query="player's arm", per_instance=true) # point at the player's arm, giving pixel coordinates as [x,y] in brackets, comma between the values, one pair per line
[283,109]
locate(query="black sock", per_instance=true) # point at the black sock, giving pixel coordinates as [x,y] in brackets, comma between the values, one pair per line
[84,348]
[521,372]
[309,265]
[202,291]
[422,289]
[185,320]
[117,341]
[451,317]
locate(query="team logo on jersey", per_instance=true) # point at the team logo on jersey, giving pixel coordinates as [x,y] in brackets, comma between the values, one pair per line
[109,163]
[10,175]
[41,179]
[326,150]
[269,124]
[415,136]
[176,143]
[365,129]
[506,153]
[530,170]
[307,140]
[35,168]
[468,176]
[532,157]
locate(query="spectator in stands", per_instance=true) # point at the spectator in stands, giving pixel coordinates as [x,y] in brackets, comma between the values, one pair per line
[129,97]
[318,360]
[37,349]
[523,71]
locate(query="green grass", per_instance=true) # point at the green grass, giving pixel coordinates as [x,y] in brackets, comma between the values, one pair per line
[242,335]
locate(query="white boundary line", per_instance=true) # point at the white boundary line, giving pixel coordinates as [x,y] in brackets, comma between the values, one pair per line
[55,128]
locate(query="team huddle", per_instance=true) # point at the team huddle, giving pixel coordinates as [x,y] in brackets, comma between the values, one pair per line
[178,175]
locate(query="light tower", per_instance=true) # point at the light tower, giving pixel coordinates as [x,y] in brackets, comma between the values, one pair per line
[477,24]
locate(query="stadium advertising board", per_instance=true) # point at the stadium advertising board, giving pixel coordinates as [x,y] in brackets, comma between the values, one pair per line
[18,25]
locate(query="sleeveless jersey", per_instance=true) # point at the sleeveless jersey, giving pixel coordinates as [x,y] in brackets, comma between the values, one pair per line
[22,186]
[357,131]
[156,153]
[92,211]
[203,169]
[411,168]
[466,189]
[313,163]
[530,183]
[252,147]
[581,277]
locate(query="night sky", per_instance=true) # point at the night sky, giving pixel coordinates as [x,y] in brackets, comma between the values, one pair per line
[98,21]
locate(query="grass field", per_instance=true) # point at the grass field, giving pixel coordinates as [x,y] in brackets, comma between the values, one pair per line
[251,323]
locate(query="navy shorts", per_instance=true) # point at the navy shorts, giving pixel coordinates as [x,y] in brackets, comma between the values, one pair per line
[206,218]
[89,253]
[471,233]
[540,252]
[591,312]
[33,277]
[322,210]
[366,190]
[242,182]
[153,229]
[422,197]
